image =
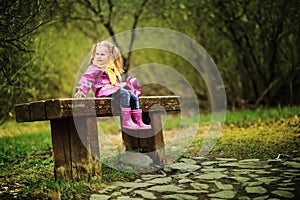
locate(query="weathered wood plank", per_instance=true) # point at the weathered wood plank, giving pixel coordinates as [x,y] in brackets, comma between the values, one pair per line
[37,111]
[75,148]
[155,143]
[69,107]
[61,148]
[63,108]
[53,108]
[81,170]
[85,149]
[150,141]
[94,147]
[22,112]
[131,139]
[169,103]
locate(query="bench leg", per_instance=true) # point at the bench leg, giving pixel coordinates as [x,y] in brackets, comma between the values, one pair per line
[150,142]
[75,148]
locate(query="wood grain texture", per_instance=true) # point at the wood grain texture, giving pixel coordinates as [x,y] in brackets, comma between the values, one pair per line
[22,112]
[61,148]
[75,148]
[37,111]
[150,141]
[69,107]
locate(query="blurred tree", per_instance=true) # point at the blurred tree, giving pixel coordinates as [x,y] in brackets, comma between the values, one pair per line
[251,41]
[264,42]
[254,43]
[96,18]
[18,22]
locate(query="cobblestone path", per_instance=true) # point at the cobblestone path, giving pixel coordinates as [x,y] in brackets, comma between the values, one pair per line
[221,178]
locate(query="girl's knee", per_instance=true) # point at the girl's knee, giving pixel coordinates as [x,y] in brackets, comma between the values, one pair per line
[124,93]
[133,97]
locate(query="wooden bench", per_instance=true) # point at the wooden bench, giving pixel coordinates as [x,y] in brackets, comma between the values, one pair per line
[74,131]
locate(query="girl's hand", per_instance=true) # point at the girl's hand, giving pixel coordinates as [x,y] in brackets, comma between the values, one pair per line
[79,94]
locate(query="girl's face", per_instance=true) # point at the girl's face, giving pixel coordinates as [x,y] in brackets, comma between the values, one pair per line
[102,55]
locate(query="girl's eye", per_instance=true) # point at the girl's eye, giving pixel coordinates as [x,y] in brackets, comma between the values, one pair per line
[100,54]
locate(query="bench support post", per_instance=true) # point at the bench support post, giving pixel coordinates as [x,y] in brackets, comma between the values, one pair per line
[75,148]
[150,142]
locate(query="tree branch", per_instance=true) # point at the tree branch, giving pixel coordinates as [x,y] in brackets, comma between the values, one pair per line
[276,82]
[89,5]
[134,25]
[107,25]
[26,33]
[5,74]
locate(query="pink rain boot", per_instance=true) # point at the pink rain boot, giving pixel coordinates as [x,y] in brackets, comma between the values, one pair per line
[136,116]
[127,122]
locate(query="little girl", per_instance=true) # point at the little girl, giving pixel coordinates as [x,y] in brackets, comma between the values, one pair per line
[103,76]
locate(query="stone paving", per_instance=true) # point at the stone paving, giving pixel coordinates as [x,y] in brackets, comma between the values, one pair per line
[221,178]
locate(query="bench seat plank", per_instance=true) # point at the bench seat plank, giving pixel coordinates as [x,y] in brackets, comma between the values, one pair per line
[37,111]
[22,112]
[68,107]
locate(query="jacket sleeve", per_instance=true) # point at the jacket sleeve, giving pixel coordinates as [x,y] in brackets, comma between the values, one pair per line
[88,79]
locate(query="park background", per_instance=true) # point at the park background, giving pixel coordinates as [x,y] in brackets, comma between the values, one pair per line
[43,43]
[254,44]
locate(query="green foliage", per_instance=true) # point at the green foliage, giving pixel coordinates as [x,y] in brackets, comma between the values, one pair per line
[60,54]
[20,81]
[254,44]
[256,36]
[248,116]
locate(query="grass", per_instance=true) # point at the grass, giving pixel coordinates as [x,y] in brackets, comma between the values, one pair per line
[247,117]
[262,139]
[26,156]
[27,166]
[260,133]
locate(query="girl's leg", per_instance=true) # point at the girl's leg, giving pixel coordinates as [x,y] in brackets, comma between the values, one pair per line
[136,113]
[124,97]
[134,102]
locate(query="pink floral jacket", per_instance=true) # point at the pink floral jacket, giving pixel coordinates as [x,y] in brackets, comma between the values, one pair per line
[96,79]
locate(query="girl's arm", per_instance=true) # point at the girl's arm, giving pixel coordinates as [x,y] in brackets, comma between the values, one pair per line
[88,80]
